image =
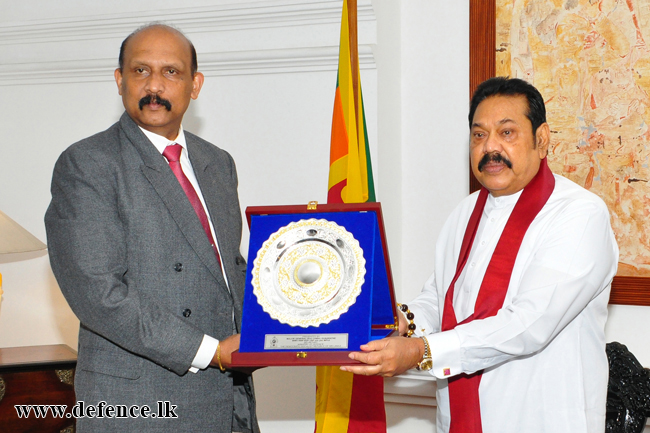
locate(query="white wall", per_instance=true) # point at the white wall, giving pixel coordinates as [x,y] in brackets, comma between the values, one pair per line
[270,71]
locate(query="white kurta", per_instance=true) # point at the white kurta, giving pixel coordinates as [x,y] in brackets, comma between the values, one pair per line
[544,352]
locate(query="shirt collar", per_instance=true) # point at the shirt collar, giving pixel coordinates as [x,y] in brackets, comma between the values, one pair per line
[504,200]
[161,142]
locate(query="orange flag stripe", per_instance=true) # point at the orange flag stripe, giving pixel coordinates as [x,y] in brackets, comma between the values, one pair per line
[339,140]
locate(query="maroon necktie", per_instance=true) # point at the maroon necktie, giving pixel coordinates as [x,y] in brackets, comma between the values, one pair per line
[173,155]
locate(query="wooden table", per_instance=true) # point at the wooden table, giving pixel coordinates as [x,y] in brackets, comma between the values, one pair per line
[36,375]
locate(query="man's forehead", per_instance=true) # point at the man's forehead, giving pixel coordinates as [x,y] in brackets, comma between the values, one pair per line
[172,40]
[510,107]
[500,122]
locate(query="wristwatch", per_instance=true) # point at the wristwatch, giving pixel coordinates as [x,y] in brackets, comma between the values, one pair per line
[427,363]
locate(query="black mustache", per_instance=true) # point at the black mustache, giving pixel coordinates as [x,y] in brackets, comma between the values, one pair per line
[156,100]
[493,157]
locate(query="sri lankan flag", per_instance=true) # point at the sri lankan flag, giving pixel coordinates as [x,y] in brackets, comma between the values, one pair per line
[350,179]
[347,403]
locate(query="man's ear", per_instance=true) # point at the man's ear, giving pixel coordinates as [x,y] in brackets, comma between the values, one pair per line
[118,80]
[197,83]
[543,140]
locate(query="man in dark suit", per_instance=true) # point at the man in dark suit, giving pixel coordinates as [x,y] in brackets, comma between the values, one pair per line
[144,230]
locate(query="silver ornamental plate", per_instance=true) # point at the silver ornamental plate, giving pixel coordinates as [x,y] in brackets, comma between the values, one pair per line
[308,273]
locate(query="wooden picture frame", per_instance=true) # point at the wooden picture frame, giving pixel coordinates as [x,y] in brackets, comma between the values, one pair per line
[482,50]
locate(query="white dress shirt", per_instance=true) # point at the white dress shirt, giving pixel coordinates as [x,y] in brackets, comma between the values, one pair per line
[543,353]
[208,346]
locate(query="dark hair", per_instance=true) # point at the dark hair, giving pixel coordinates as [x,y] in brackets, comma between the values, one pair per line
[504,86]
[195,63]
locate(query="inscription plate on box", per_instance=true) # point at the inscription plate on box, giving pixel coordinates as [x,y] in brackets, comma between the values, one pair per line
[305,341]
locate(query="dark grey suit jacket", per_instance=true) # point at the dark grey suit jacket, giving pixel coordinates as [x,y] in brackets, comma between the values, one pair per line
[136,267]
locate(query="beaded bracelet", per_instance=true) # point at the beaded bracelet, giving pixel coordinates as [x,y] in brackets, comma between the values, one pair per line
[219,357]
[410,316]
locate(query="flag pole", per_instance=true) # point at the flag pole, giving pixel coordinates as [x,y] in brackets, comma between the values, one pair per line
[354,55]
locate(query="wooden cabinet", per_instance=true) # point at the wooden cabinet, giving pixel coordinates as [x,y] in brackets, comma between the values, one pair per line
[36,375]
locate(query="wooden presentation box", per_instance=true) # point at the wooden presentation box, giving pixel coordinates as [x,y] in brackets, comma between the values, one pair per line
[310,276]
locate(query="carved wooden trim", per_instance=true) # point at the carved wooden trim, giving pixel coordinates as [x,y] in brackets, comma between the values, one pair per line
[482,65]
[66,376]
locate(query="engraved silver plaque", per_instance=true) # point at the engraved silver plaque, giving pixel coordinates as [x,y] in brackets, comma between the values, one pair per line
[308,273]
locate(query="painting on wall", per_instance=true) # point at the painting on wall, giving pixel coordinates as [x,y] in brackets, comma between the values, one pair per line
[590,59]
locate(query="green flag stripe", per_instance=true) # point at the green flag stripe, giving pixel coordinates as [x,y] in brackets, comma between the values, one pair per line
[371,181]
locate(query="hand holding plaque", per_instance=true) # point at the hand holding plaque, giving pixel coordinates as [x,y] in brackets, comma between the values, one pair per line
[387,357]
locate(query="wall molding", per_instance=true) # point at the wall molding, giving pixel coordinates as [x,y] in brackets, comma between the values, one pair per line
[280,61]
[236,16]
[78,49]
[412,388]
[210,64]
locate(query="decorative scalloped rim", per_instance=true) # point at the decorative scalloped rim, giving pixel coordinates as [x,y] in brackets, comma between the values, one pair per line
[333,315]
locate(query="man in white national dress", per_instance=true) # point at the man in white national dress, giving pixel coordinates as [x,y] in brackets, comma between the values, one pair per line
[511,323]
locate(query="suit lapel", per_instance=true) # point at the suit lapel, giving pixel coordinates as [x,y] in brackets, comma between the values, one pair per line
[209,173]
[156,169]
